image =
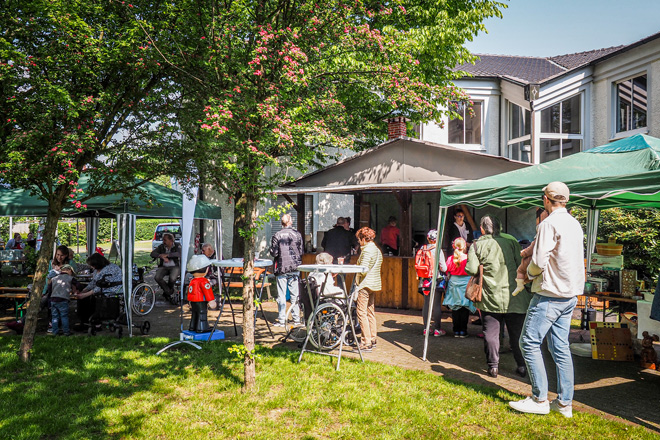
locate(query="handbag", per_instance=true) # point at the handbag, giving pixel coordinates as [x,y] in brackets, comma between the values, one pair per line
[475,286]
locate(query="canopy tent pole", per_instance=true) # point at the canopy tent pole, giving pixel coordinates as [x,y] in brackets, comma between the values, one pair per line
[438,246]
[187,217]
[593,215]
[126,234]
[217,239]
[92,228]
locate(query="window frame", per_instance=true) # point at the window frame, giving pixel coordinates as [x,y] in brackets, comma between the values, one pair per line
[511,142]
[562,136]
[615,107]
[481,124]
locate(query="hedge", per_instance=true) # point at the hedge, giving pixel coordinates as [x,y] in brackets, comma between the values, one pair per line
[66,231]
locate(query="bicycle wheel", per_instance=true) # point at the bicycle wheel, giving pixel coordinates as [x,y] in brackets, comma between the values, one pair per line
[297,331]
[143,299]
[326,327]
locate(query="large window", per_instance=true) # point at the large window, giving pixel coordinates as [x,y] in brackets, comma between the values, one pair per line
[519,135]
[631,102]
[561,129]
[468,129]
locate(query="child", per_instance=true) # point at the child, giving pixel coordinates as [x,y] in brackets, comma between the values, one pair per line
[61,286]
[455,299]
[526,254]
[200,293]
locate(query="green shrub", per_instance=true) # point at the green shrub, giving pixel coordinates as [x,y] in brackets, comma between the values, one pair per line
[639,232]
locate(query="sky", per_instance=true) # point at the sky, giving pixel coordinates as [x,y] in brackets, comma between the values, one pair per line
[544,28]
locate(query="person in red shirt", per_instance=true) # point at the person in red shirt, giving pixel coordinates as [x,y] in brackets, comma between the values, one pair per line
[200,294]
[389,237]
[460,306]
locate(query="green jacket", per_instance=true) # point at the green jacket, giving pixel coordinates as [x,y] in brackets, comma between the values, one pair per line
[500,255]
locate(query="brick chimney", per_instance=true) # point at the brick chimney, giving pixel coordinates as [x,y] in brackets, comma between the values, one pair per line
[396,127]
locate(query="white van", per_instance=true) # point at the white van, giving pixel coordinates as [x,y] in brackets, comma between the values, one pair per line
[172,228]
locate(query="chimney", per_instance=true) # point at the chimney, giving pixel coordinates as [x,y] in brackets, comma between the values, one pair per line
[396,127]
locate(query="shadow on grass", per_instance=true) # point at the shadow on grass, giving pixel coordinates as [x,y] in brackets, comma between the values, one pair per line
[71,381]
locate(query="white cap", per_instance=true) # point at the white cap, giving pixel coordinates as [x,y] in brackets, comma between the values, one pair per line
[198,262]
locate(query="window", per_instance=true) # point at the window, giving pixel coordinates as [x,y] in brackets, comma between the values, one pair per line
[519,136]
[468,129]
[276,224]
[631,97]
[561,129]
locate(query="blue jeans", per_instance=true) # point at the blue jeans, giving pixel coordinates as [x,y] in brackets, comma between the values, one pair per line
[60,312]
[287,282]
[553,315]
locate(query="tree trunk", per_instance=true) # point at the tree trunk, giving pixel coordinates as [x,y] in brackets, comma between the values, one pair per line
[44,256]
[248,293]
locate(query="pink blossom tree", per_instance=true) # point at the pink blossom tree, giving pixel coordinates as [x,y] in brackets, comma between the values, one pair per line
[272,84]
[81,90]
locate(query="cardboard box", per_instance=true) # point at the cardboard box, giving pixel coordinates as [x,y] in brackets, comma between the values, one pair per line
[602,262]
[610,341]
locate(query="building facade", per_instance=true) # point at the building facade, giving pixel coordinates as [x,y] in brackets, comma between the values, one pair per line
[540,109]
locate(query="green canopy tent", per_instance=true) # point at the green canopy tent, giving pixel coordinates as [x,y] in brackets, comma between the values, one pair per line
[152,201]
[155,201]
[624,173]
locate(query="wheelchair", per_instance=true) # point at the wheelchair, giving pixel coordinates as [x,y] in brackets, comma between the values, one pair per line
[143,296]
[326,321]
[110,312]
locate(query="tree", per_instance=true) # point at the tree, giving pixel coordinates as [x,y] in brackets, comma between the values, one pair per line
[639,232]
[279,81]
[81,91]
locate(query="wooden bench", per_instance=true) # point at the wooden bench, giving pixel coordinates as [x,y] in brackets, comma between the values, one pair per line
[237,272]
[20,296]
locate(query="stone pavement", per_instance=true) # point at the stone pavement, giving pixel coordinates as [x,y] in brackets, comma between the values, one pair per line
[618,390]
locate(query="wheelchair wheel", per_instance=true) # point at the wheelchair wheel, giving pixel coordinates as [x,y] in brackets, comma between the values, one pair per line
[144,328]
[326,327]
[296,331]
[143,299]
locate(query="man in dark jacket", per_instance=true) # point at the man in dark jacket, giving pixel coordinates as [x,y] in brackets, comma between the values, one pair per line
[339,241]
[169,264]
[287,248]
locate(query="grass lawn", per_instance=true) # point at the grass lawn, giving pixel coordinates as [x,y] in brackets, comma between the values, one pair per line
[102,387]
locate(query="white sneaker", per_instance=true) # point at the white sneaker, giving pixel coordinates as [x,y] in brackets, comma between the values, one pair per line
[531,406]
[566,411]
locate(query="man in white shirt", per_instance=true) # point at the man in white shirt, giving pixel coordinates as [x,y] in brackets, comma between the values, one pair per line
[557,271]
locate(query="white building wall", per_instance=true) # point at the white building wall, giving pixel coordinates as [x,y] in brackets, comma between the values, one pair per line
[486,91]
[643,59]
[326,209]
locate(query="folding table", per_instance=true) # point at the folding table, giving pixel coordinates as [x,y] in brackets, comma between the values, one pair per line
[226,277]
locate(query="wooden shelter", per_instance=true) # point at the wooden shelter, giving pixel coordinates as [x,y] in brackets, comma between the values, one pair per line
[402,167]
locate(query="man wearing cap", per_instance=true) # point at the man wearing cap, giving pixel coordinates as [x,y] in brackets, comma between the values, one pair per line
[557,274]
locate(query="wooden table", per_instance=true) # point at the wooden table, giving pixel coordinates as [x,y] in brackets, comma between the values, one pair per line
[609,296]
[231,273]
[20,296]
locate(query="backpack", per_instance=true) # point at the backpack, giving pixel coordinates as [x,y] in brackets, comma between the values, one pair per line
[424,261]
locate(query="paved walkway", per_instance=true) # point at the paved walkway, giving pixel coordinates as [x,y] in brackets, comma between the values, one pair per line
[612,389]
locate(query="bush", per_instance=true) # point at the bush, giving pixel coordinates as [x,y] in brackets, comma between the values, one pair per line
[639,232]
